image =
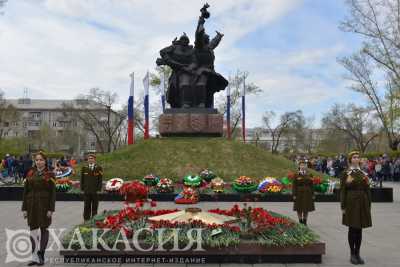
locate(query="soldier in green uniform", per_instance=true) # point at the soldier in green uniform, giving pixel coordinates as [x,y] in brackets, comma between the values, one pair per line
[38,205]
[303,193]
[355,198]
[91,183]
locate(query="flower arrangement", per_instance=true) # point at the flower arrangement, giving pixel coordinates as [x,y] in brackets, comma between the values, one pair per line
[63,185]
[151,180]
[114,184]
[217,185]
[272,188]
[189,195]
[258,225]
[320,185]
[244,184]
[207,175]
[270,185]
[134,191]
[191,180]
[165,185]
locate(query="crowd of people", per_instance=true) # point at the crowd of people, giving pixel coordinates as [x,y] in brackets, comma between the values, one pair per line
[17,167]
[382,168]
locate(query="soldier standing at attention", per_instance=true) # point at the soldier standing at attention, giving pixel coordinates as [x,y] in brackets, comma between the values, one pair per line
[91,183]
[303,193]
[38,206]
[355,198]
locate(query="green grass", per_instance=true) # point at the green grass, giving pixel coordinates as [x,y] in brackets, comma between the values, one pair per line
[176,157]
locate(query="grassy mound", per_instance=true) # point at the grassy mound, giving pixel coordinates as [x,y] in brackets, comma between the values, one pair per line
[176,157]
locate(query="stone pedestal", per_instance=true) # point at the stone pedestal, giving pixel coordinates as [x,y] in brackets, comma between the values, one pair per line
[191,122]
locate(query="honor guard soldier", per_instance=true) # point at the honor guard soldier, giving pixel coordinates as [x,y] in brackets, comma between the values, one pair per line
[355,200]
[303,193]
[91,184]
[38,205]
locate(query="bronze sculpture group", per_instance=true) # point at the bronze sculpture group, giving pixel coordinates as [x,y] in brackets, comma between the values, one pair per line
[193,81]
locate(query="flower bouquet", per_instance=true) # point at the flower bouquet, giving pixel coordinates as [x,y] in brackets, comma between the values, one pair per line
[207,175]
[165,185]
[189,195]
[134,191]
[63,185]
[270,185]
[193,181]
[114,184]
[244,184]
[151,180]
[217,185]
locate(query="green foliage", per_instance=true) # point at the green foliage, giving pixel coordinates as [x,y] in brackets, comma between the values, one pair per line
[14,146]
[174,158]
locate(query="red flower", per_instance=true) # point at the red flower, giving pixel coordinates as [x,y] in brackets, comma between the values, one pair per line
[139,204]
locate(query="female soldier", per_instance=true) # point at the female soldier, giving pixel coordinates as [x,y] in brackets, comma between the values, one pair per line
[355,198]
[38,206]
[303,193]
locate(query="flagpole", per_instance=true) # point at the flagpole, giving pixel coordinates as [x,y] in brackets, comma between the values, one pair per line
[131,114]
[228,111]
[244,109]
[163,91]
[146,105]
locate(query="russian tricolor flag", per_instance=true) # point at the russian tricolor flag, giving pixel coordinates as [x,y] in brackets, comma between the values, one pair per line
[162,87]
[244,109]
[228,111]
[131,115]
[146,84]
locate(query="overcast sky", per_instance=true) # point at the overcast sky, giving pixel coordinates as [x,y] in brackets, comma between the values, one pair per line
[61,48]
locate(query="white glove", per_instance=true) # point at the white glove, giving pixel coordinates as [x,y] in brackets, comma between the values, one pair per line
[49,214]
[25,214]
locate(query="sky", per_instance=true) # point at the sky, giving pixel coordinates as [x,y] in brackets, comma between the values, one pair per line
[59,49]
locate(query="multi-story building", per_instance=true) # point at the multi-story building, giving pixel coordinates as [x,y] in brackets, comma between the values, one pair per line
[34,114]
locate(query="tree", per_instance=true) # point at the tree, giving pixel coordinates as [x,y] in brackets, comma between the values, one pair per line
[288,121]
[378,23]
[236,86]
[95,112]
[8,113]
[353,121]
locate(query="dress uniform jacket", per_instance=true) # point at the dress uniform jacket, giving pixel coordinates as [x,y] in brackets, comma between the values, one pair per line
[91,180]
[355,198]
[303,190]
[39,197]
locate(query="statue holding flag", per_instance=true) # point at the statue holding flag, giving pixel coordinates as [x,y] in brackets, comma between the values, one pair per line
[193,81]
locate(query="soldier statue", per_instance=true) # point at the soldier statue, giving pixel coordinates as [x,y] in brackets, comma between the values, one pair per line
[193,81]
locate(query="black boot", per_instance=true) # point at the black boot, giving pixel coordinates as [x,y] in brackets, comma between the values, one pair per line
[359,259]
[305,221]
[353,259]
[32,263]
[41,257]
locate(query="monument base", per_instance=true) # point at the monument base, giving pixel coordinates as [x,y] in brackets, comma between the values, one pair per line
[191,122]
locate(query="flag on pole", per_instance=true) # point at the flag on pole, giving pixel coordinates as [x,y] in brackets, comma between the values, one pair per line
[162,86]
[146,84]
[228,111]
[131,115]
[244,109]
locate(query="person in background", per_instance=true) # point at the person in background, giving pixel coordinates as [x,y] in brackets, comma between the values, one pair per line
[28,162]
